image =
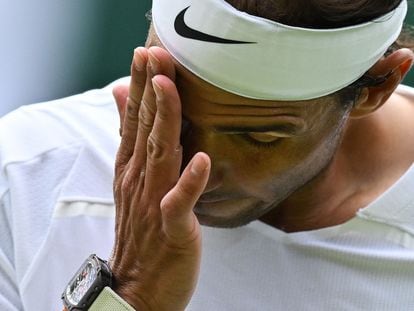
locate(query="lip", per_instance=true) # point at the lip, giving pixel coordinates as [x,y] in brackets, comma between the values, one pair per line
[214,205]
[207,201]
[211,197]
[225,212]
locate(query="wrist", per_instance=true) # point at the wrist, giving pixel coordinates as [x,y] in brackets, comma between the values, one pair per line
[128,289]
[132,298]
[108,300]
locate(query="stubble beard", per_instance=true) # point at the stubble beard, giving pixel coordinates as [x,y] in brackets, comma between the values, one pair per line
[316,166]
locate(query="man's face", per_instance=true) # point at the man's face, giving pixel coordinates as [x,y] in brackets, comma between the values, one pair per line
[261,151]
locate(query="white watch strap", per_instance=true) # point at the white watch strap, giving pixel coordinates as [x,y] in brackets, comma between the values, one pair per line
[108,300]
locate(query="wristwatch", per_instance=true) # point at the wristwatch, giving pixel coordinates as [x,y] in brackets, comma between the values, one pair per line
[90,289]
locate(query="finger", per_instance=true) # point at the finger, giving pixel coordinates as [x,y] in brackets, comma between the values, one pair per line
[159,61]
[163,146]
[120,93]
[179,221]
[130,120]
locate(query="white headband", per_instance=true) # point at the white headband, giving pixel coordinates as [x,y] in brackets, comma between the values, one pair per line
[258,58]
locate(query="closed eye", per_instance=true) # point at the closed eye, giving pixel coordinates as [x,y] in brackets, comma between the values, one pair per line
[263,139]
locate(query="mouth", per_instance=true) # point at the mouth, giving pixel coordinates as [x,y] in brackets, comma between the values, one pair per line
[224,207]
[211,200]
[228,213]
[215,197]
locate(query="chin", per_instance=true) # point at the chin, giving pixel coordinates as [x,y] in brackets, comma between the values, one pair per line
[229,214]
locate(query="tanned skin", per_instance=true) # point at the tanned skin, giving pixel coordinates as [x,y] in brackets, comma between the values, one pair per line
[318,168]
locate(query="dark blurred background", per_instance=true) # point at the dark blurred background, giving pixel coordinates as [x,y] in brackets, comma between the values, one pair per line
[55,48]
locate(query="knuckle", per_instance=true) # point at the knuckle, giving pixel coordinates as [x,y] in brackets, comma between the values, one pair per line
[126,186]
[122,159]
[119,166]
[148,106]
[128,183]
[125,150]
[134,101]
[138,74]
[156,149]
[163,114]
[132,109]
[145,118]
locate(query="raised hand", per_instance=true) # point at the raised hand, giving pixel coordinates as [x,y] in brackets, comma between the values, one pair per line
[157,249]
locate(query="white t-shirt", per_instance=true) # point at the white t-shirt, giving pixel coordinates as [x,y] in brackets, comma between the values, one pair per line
[56,170]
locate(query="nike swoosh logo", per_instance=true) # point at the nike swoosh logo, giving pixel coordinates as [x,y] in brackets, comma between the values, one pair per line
[187,32]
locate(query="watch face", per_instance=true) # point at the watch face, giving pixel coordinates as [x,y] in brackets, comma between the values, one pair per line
[83,282]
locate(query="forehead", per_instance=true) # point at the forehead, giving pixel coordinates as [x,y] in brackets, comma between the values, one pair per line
[207,92]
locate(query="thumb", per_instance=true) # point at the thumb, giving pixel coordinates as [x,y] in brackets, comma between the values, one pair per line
[179,221]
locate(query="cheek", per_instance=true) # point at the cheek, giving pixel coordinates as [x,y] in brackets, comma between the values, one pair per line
[253,162]
[284,167]
[254,166]
[239,164]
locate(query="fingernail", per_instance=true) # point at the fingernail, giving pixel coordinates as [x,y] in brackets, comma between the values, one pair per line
[159,92]
[199,166]
[139,59]
[154,62]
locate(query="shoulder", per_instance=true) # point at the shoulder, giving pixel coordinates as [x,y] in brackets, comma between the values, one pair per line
[60,139]
[406,92]
[405,89]
[395,208]
[35,129]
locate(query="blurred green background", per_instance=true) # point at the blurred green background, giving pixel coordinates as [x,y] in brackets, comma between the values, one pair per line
[123,29]
[55,48]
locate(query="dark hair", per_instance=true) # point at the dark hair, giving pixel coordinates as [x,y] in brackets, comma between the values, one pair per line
[325,14]
[317,13]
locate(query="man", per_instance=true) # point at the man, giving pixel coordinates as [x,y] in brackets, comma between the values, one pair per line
[313,160]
